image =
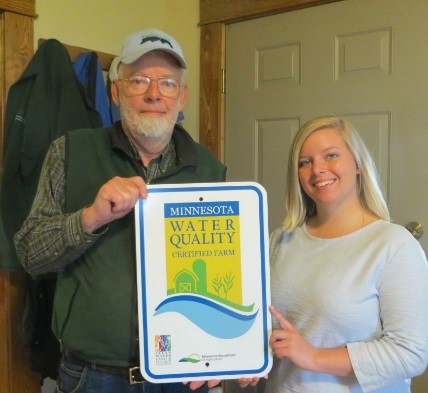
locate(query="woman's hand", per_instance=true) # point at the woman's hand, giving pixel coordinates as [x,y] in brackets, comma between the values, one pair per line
[287,342]
[244,382]
[197,384]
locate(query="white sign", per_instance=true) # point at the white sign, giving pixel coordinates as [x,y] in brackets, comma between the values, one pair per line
[203,282]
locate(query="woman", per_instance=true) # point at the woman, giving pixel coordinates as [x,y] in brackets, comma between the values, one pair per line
[350,289]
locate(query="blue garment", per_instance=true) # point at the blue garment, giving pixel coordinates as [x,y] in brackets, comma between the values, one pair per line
[78,379]
[114,112]
[88,70]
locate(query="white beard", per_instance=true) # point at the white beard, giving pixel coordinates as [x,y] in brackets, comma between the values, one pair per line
[151,127]
[139,125]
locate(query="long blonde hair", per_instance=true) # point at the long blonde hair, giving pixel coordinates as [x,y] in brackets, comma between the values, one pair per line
[299,206]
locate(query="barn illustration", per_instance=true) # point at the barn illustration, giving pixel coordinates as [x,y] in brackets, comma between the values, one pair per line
[194,281]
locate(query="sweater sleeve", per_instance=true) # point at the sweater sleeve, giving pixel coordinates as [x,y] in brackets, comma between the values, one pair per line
[49,239]
[402,350]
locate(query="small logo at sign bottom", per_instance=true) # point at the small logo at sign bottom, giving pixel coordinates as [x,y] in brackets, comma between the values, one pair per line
[163,349]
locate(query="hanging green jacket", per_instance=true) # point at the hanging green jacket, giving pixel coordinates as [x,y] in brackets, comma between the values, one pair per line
[46,101]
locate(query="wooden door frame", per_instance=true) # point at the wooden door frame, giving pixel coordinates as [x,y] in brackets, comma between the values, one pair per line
[16,50]
[214,16]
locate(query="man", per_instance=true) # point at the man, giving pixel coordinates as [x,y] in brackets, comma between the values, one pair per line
[81,224]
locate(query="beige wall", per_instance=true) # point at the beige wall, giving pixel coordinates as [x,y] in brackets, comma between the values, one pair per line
[103,25]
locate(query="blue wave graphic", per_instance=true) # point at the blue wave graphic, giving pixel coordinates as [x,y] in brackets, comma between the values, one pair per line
[211,317]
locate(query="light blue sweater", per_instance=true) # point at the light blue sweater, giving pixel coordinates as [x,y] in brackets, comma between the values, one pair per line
[367,290]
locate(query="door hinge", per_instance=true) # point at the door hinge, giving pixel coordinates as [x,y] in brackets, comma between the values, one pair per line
[223,81]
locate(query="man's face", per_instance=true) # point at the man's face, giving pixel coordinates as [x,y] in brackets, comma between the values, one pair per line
[149,114]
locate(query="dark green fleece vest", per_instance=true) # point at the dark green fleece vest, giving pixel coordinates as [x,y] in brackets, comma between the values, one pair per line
[95,302]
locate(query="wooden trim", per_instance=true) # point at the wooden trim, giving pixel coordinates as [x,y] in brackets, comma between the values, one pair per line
[229,11]
[211,101]
[214,15]
[16,50]
[74,51]
[21,7]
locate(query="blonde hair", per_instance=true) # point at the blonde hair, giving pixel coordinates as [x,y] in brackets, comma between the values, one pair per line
[299,206]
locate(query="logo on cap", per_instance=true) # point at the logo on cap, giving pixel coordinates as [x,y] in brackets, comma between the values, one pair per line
[154,38]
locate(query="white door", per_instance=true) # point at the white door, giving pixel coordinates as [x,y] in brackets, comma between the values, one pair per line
[366,60]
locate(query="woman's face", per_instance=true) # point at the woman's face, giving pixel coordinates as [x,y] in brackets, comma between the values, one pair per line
[327,169]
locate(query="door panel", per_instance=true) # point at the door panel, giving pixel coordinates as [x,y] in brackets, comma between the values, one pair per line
[298,68]
[365,60]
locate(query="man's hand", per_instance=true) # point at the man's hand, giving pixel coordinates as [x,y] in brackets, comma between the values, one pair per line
[114,200]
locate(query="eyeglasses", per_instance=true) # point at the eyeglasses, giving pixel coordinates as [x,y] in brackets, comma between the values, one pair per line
[139,84]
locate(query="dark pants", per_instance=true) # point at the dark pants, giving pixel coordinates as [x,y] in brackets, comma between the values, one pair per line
[74,378]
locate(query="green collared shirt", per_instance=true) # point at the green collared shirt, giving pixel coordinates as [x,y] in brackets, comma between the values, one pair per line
[157,166]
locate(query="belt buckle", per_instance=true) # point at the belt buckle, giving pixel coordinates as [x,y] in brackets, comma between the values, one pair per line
[135,378]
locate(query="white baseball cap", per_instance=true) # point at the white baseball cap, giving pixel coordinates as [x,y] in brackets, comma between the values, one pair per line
[145,41]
